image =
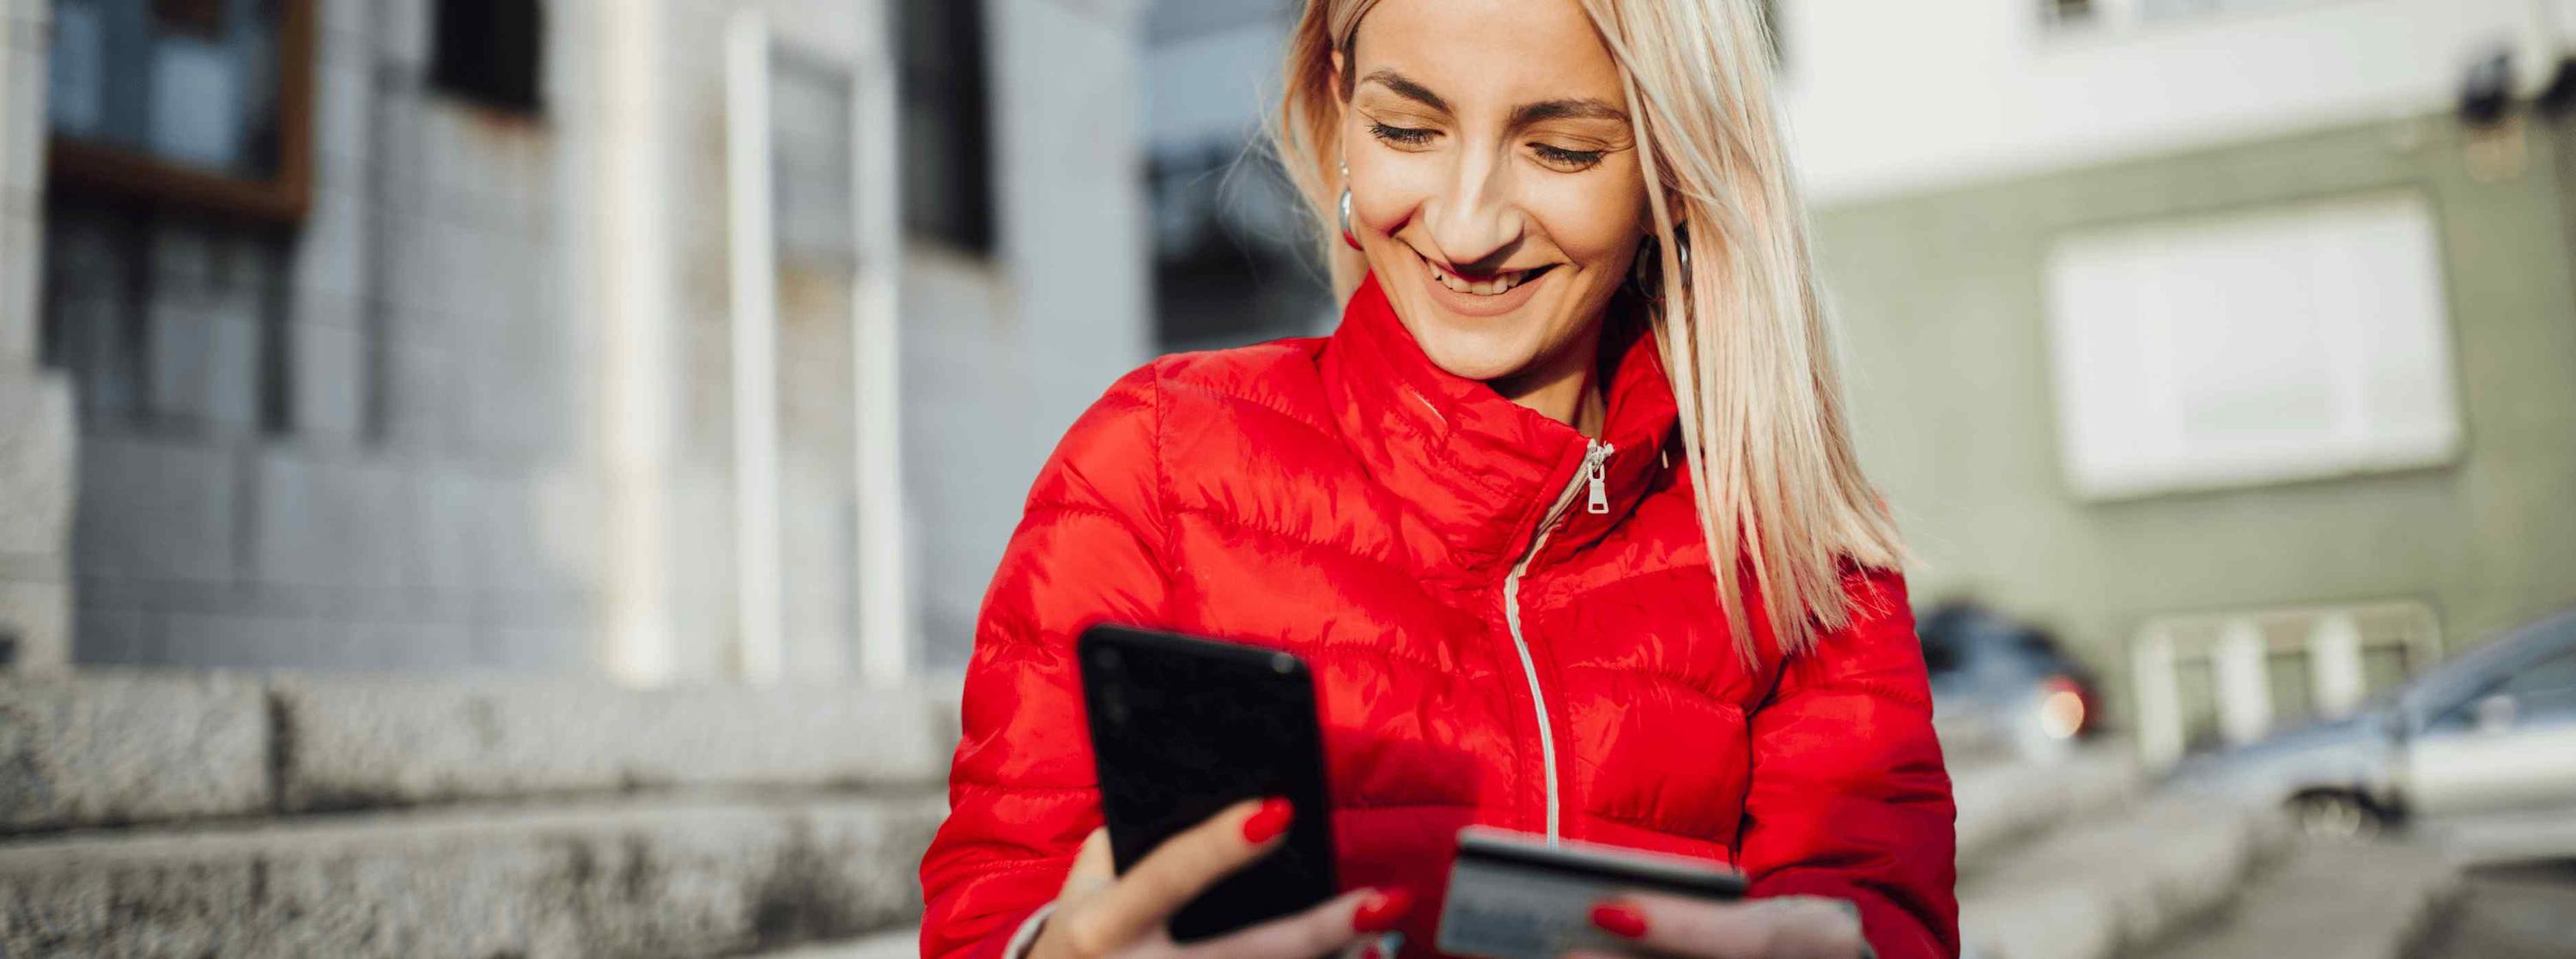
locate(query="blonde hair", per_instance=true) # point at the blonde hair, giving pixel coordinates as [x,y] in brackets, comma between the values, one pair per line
[1744,339]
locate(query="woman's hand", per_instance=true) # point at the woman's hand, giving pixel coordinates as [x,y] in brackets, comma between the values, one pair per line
[1100,915]
[1788,927]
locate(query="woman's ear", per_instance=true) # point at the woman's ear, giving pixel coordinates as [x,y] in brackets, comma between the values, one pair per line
[1341,96]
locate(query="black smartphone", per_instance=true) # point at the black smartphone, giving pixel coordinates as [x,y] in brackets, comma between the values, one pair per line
[1182,728]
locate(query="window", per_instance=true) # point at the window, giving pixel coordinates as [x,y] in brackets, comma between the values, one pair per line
[2546,689]
[947,170]
[203,105]
[2067,11]
[2288,344]
[489,51]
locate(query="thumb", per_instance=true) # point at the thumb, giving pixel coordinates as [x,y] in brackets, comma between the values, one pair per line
[1093,867]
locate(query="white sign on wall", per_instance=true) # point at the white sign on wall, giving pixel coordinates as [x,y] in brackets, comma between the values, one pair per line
[2287,344]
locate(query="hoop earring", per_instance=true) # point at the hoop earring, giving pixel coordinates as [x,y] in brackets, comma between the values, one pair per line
[1646,271]
[1642,271]
[1347,236]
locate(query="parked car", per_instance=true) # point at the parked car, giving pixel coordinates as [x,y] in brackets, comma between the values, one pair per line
[1999,684]
[2490,732]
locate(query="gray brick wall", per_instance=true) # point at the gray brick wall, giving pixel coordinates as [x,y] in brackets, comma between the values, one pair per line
[35,404]
[377,441]
[357,446]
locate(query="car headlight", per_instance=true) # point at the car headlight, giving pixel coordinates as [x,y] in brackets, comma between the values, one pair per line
[2061,708]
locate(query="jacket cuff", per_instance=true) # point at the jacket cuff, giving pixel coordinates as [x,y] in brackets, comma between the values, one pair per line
[1026,935]
[1023,935]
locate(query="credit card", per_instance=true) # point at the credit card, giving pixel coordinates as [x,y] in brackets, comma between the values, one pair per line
[1513,895]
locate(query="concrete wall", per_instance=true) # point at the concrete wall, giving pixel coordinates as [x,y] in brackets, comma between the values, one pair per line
[1001,354]
[36,444]
[1941,302]
[390,441]
[1890,98]
[363,445]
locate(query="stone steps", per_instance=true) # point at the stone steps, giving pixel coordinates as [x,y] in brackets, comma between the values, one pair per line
[221,814]
[2116,882]
[229,814]
[110,748]
[669,876]
[2005,805]
[2347,900]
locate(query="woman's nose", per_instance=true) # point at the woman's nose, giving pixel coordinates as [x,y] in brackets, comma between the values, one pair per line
[1473,220]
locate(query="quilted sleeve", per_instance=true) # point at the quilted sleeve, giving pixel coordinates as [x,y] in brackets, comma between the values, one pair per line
[1849,797]
[1021,793]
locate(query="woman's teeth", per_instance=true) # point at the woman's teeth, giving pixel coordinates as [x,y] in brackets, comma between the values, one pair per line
[1499,283]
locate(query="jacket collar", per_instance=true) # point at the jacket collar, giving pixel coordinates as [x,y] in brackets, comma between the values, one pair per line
[1479,471]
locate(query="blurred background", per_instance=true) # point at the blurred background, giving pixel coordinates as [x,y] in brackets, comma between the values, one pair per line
[500,478]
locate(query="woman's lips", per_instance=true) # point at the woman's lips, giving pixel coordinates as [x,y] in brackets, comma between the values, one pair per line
[1491,295]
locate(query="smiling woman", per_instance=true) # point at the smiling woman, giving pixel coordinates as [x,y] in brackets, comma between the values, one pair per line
[1496,188]
[1563,517]
[1491,141]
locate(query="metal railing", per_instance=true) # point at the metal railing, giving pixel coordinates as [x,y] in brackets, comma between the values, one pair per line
[2231,677]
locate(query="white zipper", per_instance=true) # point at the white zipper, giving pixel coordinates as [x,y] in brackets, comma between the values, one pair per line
[1596,459]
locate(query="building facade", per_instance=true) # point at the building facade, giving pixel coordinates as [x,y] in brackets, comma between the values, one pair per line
[2228,339]
[664,341]
[36,435]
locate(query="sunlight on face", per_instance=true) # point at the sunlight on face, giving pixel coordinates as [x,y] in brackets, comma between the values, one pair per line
[1495,185]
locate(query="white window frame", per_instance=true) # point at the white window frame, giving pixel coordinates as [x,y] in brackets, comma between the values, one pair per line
[2123,429]
[885,634]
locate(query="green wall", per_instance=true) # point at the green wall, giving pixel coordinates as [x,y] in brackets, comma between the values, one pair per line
[1940,300]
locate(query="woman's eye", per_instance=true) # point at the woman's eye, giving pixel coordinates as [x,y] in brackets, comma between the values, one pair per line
[1402,136]
[1564,159]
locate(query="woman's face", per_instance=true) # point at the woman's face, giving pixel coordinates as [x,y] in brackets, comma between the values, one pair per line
[1495,187]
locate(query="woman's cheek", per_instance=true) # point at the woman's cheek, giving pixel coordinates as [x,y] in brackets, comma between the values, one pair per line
[1387,197]
[1594,232]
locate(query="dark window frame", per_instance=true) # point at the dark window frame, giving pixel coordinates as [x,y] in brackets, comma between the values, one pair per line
[948,78]
[118,173]
[490,52]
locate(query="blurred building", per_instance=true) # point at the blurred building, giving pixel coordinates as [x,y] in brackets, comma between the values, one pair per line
[1233,247]
[509,477]
[35,401]
[2236,339]
[506,477]
[422,335]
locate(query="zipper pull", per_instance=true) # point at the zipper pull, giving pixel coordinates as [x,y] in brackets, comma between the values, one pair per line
[1596,463]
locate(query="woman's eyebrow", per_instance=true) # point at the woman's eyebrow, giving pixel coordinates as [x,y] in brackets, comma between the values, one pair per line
[1406,88]
[1584,109]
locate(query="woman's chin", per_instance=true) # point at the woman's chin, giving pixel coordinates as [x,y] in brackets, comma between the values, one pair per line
[1475,356]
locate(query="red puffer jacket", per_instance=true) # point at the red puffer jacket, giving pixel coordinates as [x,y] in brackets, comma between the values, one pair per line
[1508,624]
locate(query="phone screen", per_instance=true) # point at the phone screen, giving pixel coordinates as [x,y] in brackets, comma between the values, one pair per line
[1182,728]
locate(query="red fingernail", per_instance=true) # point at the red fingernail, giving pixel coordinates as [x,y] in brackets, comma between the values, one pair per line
[1269,821]
[1382,910]
[1619,919]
